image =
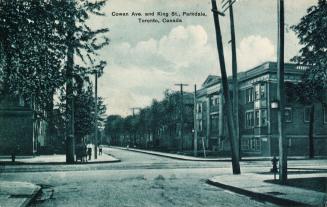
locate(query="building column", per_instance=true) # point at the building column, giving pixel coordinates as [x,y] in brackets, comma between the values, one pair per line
[268,117]
[208,122]
[220,119]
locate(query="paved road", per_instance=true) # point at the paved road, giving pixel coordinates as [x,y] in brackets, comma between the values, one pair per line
[139,180]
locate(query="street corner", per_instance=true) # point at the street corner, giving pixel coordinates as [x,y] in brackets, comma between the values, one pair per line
[17,194]
[264,187]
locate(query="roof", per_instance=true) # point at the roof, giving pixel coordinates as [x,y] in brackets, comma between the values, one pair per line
[259,70]
[211,80]
[271,67]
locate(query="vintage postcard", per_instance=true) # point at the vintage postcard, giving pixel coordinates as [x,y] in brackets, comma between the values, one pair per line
[183,103]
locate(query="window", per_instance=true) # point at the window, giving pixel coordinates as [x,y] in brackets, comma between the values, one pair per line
[262,90]
[289,142]
[255,144]
[251,144]
[245,144]
[307,114]
[199,107]
[257,92]
[200,127]
[214,100]
[325,114]
[249,121]
[249,95]
[257,118]
[263,117]
[214,122]
[220,144]
[288,114]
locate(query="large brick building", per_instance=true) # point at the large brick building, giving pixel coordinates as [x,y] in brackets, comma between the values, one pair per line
[258,121]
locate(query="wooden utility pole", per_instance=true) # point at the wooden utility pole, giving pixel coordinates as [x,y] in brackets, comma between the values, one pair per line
[181,115]
[133,110]
[195,143]
[229,112]
[234,72]
[96,115]
[134,135]
[281,95]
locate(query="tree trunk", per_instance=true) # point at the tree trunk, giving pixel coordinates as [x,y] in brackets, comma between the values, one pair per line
[311,130]
[50,131]
[70,141]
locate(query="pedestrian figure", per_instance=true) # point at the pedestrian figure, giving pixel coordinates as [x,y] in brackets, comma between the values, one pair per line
[89,152]
[13,155]
[84,156]
[100,150]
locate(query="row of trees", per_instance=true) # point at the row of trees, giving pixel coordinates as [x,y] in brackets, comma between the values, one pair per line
[154,126]
[40,41]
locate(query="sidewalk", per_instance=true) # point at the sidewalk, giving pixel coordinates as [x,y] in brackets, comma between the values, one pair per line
[17,194]
[192,158]
[253,185]
[56,159]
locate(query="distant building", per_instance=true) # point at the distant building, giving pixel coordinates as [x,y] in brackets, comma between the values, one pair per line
[258,121]
[20,131]
[169,134]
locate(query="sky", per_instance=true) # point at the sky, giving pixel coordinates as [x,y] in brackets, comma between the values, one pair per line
[145,59]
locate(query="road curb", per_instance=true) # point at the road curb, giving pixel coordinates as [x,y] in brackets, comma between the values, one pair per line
[189,159]
[244,159]
[32,198]
[258,196]
[58,163]
[172,157]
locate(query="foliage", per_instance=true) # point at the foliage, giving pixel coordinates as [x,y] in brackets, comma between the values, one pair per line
[36,37]
[84,111]
[84,120]
[33,50]
[113,125]
[160,116]
[312,32]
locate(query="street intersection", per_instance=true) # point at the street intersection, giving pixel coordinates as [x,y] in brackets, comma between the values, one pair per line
[139,180]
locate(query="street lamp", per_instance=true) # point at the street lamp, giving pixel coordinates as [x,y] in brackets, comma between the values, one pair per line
[274,104]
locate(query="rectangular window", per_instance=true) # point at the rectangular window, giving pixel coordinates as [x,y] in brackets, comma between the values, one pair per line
[245,144]
[306,115]
[257,92]
[220,144]
[257,118]
[262,91]
[249,121]
[200,127]
[263,117]
[199,107]
[288,115]
[214,122]
[214,100]
[255,144]
[289,142]
[249,95]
